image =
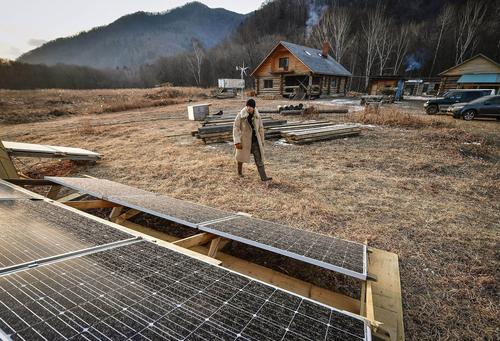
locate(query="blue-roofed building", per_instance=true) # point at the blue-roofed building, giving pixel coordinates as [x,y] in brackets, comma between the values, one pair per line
[293,70]
[478,72]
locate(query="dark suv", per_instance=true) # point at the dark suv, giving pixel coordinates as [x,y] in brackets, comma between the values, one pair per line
[488,106]
[436,105]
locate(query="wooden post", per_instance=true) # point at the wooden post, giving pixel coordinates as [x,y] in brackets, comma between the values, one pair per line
[329,85]
[281,84]
[309,86]
[214,247]
[7,169]
[115,212]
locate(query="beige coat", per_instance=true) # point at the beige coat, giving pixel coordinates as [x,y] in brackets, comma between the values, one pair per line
[242,133]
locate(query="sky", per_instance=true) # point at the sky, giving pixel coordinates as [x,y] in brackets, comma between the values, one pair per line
[27,24]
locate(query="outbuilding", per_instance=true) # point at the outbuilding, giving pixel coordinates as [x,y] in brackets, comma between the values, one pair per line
[478,72]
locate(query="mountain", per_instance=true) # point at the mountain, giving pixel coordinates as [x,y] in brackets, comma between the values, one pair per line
[139,38]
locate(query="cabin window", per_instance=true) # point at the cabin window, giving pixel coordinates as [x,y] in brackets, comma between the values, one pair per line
[283,63]
[268,83]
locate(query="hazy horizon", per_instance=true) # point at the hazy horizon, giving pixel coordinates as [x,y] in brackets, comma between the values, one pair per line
[28,24]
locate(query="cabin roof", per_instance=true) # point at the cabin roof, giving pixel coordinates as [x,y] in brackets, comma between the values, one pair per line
[480,55]
[312,59]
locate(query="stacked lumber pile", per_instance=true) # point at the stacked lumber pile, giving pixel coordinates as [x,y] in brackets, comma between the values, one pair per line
[314,134]
[221,130]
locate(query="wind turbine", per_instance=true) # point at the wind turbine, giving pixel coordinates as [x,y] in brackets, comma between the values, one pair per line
[243,72]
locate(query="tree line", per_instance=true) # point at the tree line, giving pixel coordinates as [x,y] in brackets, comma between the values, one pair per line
[368,37]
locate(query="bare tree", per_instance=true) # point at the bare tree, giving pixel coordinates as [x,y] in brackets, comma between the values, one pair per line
[195,60]
[334,27]
[470,19]
[444,18]
[384,43]
[371,27]
[402,41]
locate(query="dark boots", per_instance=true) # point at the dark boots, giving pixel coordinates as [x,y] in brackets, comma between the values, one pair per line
[262,173]
[260,168]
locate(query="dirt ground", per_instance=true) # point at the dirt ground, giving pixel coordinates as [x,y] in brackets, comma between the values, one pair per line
[426,188]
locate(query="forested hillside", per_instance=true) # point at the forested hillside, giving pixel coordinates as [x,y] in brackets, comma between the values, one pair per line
[139,38]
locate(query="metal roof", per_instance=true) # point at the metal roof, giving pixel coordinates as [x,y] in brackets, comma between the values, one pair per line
[480,78]
[315,62]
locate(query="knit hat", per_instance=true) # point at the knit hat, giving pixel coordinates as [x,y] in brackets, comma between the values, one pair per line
[251,103]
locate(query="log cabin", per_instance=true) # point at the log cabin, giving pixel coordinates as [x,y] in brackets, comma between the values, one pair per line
[478,72]
[296,71]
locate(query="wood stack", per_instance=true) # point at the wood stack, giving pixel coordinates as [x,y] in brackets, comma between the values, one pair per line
[221,130]
[314,134]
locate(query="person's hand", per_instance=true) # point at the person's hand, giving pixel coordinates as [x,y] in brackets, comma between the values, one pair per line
[238,146]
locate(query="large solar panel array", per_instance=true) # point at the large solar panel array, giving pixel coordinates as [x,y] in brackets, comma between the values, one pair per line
[143,291]
[136,289]
[339,255]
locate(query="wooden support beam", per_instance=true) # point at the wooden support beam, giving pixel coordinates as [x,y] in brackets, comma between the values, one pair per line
[214,247]
[370,314]
[88,204]
[127,215]
[71,196]
[53,191]
[115,212]
[198,239]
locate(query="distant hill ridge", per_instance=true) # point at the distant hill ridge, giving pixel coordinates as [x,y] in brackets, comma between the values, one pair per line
[139,38]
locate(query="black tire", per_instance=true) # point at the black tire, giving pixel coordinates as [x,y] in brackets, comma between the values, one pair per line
[469,115]
[432,109]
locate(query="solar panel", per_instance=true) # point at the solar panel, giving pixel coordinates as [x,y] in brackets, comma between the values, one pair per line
[143,291]
[332,253]
[31,230]
[180,211]
[8,193]
[99,188]
[342,256]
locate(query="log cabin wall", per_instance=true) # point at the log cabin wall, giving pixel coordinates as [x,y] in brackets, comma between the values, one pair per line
[270,75]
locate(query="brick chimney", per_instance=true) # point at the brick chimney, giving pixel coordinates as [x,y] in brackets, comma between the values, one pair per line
[324,50]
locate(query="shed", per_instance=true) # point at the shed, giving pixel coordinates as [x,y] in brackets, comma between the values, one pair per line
[478,72]
[295,70]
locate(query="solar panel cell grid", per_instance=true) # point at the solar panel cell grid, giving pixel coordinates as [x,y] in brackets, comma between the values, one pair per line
[173,209]
[323,250]
[175,297]
[31,230]
[8,193]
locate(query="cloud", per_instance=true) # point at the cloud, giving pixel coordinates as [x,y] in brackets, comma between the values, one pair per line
[36,42]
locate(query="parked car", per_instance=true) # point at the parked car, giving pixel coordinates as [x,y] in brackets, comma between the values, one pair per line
[488,106]
[434,106]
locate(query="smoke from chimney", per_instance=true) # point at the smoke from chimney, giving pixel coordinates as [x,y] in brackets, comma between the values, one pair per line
[325,49]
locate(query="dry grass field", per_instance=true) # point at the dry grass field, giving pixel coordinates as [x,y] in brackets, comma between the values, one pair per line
[426,188]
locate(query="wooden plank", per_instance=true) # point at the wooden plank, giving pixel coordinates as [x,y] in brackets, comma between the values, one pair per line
[89,204]
[198,239]
[54,191]
[71,196]
[214,247]
[386,292]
